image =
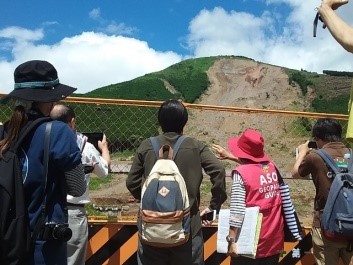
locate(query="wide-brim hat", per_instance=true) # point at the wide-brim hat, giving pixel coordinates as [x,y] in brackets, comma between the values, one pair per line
[38,81]
[249,145]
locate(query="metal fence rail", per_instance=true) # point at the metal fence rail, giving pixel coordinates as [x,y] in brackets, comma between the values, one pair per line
[127,122]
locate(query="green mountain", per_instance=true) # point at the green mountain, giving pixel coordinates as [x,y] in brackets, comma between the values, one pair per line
[188,80]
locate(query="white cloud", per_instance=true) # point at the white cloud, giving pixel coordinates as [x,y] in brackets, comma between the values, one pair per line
[270,38]
[21,34]
[118,29]
[95,14]
[91,60]
[111,27]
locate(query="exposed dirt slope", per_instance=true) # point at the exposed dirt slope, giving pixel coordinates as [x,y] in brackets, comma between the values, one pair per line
[246,83]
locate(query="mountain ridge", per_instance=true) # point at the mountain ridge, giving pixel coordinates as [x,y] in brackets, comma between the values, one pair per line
[217,80]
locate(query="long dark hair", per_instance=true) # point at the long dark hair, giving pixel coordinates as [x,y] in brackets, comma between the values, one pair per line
[13,127]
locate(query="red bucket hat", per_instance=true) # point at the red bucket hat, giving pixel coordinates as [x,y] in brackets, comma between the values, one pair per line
[249,145]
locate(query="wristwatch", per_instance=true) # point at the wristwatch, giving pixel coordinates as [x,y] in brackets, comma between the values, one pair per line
[230,239]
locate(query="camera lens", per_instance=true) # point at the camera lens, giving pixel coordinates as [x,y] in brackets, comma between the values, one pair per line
[62,233]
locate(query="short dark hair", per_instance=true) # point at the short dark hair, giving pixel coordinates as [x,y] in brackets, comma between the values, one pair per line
[63,113]
[328,130]
[172,116]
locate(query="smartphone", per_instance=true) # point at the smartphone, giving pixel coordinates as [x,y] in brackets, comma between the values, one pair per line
[312,144]
[93,138]
[211,216]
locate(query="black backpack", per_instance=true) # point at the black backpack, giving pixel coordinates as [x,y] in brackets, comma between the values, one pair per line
[15,235]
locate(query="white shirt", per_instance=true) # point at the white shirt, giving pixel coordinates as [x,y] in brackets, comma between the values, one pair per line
[90,156]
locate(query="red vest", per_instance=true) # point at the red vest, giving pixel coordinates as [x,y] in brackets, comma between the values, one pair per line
[262,189]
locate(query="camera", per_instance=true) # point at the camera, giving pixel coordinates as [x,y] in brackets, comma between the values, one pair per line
[55,231]
[312,144]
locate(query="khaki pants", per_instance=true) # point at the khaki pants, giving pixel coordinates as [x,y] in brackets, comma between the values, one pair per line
[329,252]
[77,245]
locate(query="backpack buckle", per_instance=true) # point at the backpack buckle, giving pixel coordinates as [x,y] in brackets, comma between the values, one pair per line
[330,174]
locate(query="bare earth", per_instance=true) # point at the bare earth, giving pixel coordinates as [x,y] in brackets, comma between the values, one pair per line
[238,83]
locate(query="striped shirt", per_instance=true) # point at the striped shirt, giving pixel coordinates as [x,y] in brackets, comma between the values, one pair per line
[237,201]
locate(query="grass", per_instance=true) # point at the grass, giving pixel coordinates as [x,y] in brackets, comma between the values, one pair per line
[96,183]
[338,105]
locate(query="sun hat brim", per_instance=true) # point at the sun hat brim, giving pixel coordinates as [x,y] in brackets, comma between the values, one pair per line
[233,147]
[41,94]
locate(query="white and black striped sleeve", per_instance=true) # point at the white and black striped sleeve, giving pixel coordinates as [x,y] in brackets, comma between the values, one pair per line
[237,201]
[75,181]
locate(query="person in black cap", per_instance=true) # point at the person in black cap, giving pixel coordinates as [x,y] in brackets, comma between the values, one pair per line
[36,89]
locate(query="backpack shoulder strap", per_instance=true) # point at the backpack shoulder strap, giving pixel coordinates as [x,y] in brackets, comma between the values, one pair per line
[155,145]
[1,131]
[328,159]
[350,163]
[27,129]
[177,145]
[43,215]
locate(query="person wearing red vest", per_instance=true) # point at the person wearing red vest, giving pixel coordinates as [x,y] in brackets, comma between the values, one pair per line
[255,183]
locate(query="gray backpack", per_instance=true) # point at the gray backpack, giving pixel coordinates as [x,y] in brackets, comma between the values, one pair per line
[164,216]
[337,216]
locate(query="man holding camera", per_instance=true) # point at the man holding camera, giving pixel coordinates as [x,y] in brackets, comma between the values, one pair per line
[93,161]
[327,134]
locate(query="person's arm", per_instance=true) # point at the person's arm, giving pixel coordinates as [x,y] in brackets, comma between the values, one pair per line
[303,150]
[340,30]
[99,161]
[75,181]
[103,146]
[237,212]
[65,156]
[223,153]
[215,169]
[134,178]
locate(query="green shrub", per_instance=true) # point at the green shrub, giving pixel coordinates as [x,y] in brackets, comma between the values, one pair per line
[301,80]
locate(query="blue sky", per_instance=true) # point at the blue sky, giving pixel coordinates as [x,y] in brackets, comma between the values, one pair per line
[97,43]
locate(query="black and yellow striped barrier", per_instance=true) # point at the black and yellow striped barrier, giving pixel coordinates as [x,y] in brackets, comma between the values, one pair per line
[115,243]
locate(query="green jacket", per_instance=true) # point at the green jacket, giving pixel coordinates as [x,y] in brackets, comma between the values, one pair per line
[192,157]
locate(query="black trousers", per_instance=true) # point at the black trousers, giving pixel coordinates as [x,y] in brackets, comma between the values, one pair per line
[271,260]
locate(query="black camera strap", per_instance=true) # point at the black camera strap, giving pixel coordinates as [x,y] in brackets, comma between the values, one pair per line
[41,220]
[317,18]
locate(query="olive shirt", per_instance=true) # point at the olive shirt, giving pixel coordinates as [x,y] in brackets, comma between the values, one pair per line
[192,157]
[314,165]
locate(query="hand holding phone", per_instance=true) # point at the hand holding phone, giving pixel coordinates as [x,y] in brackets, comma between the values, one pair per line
[93,138]
[211,216]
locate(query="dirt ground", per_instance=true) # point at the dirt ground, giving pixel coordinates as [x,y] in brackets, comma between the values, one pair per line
[238,83]
[116,199]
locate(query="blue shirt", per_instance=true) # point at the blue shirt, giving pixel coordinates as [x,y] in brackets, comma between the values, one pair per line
[64,155]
